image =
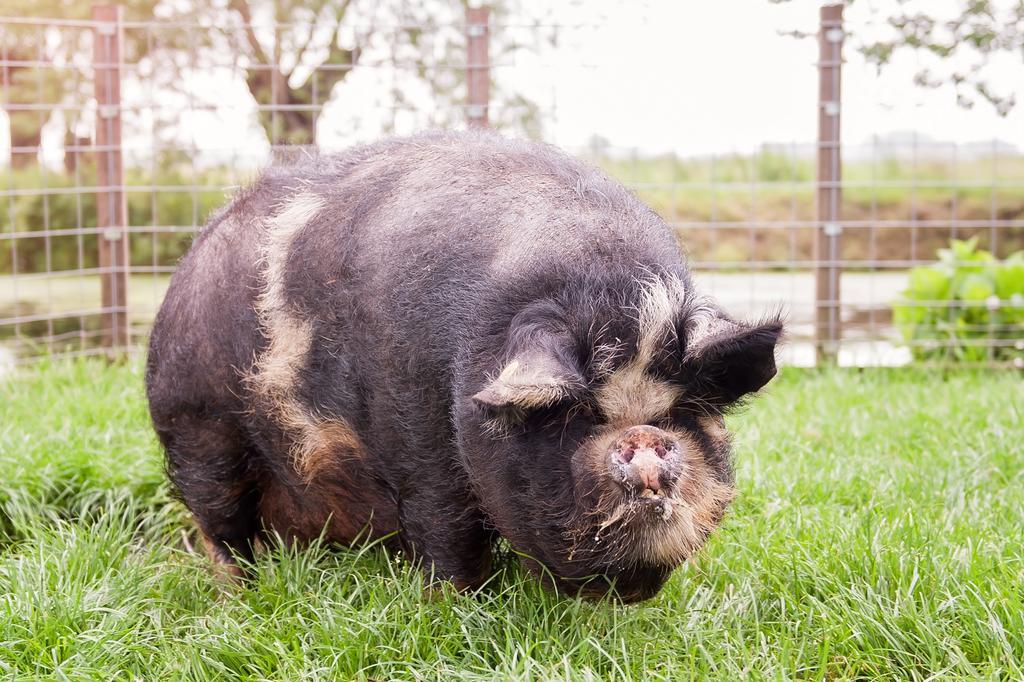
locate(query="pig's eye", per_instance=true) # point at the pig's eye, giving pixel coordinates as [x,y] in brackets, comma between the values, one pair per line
[587,411]
[571,414]
[541,414]
[574,409]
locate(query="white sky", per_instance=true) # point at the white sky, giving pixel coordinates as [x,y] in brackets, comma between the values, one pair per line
[690,76]
[699,77]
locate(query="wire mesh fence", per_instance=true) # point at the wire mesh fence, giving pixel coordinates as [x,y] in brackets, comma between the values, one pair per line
[125,135]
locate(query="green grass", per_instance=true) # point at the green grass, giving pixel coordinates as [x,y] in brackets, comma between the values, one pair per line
[877,535]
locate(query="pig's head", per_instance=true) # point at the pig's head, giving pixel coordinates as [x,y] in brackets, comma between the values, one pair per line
[595,437]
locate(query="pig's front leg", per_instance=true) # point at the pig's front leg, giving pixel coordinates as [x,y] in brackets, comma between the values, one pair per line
[445,534]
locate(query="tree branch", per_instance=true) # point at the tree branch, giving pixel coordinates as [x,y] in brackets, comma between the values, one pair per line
[312,29]
[243,9]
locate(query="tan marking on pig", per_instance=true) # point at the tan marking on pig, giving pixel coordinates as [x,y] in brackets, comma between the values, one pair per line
[714,427]
[603,358]
[630,395]
[659,304]
[281,230]
[316,441]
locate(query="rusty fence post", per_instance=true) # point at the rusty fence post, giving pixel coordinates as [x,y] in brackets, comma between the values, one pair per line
[111,209]
[478,65]
[827,252]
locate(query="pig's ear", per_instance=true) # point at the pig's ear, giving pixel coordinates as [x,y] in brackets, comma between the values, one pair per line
[532,379]
[728,360]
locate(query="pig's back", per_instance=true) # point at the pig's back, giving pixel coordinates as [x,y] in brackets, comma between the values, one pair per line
[380,256]
[425,224]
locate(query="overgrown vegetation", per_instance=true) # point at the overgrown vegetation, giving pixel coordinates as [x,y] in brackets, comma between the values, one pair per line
[967,307]
[876,536]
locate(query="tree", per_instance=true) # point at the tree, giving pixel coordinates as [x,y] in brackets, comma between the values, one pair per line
[292,54]
[274,64]
[25,94]
[304,50]
[45,69]
[961,46]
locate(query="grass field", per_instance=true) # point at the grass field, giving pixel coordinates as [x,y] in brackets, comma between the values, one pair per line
[877,535]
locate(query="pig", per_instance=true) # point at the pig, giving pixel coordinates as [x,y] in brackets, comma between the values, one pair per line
[443,341]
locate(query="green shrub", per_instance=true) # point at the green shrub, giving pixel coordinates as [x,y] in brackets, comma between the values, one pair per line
[967,307]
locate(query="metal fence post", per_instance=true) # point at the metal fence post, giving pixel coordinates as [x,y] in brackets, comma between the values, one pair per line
[111,207]
[829,186]
[478,65]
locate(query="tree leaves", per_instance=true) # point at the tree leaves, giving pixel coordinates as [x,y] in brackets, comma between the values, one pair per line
[963,44]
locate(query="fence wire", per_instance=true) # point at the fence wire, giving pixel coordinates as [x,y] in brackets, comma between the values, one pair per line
[203,107]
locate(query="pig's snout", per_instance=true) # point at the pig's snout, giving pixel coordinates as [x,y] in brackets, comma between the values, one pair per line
[646,458]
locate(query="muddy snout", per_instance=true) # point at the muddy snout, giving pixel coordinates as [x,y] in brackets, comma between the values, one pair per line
[645,458]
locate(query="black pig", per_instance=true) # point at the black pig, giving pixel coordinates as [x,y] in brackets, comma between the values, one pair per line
[457,337]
